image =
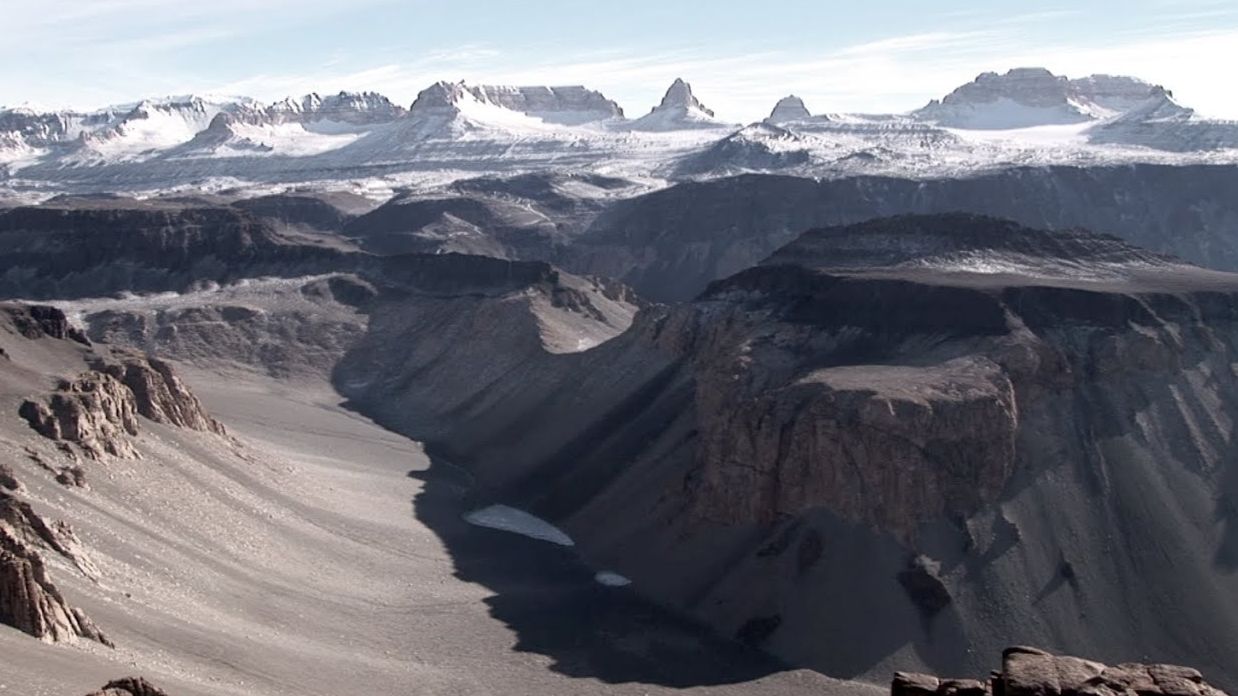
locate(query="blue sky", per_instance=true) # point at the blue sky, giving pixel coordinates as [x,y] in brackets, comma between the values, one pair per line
[880,55]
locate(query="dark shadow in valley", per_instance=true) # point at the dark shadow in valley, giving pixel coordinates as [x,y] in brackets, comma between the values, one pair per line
[551,600]
[1227,512]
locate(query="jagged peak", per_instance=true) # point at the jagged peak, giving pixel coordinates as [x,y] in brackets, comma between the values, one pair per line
[679,96]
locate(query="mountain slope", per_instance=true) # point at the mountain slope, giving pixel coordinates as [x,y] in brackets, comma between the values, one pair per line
[863,461]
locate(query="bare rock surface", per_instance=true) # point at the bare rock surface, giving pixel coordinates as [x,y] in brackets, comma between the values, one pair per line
[20,520]
[31,603]
[129,686]
[98,411]
[1032,672]
[95,412]
[158,394]
[7,479]
[37,321]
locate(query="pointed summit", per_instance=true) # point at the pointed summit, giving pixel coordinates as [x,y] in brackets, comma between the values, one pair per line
[680,96]
[679,110]
[789,108]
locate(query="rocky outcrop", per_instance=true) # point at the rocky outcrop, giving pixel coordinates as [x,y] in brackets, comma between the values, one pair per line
[20,520]
[129,686]
[1032,672]
[31,603]
[95,412]
[37,321]
[159,395]
[7,479]
[884,445]
[98,411]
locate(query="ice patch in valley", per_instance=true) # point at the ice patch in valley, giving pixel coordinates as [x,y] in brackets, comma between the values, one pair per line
[611,579]
[509,519]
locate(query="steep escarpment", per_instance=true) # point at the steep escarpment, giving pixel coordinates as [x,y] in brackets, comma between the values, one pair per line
[80,248]
[862,458]
[671,244]
[527,216]
[425,330]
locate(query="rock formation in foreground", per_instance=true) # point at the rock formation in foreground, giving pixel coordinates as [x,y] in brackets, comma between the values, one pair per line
[31,603]
[98,410]
[129,686]
[94,411]
[1031,672]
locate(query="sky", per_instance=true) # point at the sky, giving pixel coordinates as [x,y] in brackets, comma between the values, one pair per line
[875,56]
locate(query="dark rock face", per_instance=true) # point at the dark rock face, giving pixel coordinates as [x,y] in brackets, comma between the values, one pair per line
[671,244]
[309,211]
[1031,672]
[7,480]
[129,686]
[923,583]
[522,217]
[37,321]
[75,248]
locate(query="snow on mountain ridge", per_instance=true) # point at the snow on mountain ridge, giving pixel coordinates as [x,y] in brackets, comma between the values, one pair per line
[1028,97]
[679,110]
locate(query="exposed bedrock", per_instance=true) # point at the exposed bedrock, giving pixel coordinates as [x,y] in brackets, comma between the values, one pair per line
[1032,672]
[31,603]
[98,411]
[37,321]
[84,249]
[93,411]
[129,686]
[158,394]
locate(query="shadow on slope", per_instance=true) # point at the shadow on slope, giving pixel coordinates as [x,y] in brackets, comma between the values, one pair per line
[550,599]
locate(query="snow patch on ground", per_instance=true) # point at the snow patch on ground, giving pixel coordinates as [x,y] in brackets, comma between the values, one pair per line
[509,519]
[611,579]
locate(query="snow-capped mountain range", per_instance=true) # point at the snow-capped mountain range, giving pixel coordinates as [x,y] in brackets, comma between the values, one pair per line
[453,129]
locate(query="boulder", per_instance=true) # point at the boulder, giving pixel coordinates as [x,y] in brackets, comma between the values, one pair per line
[129,686]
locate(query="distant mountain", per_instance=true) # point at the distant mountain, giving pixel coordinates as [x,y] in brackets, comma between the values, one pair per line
[1026,97]
[366,140]
[789,109]
[680,109]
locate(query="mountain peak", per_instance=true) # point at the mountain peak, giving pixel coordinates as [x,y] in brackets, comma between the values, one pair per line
[1025,97]
[680,96]
[442,96]
[789,108]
